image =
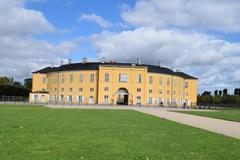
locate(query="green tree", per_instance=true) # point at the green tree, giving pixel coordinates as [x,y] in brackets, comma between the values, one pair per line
[220,92]
[17,84]
[28,83]
[225,92]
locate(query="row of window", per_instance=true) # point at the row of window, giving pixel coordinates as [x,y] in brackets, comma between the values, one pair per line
[107,89]
[168,101]
[150,100]
[123,78]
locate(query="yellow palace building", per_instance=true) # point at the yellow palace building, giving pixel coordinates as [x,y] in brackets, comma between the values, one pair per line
[113,83]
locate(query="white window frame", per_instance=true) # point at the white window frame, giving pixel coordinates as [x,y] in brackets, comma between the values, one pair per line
[106,77]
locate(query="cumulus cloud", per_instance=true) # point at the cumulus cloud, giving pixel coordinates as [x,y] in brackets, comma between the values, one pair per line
[176,32]
[20,52]
[15,19]
[96,19]
[172,47]
[181,49]
[217,15]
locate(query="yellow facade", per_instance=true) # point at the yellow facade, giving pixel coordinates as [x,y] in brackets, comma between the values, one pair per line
[115,84]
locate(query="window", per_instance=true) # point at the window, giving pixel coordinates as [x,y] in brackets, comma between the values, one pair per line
[106,77]
[62,89]
[80,89]
[139,78]
[174,101]
[168,82]
[105,98]
[71,78]
[138,100]
[168,92]
[62,78]
[91,89]
[160,100]
[186,84]
[174,83]
[150,80]
[106,89]
[70,89]
[123,78]
[160,91]
[80,99]
[186,94]
[91,100]
[168,101]
[80,77]
[139,89]
[150,100]
[150,90]
[35,97]
[44,80]
[91,77]
[55,89]
[62,98]
[174,92]
[70,98]
[160,81]
[43,89]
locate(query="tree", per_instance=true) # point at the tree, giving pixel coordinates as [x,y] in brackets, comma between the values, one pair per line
[4,80]
[217,99]
[220,92]
[28,83]
[17,84]
[225,92]
[215,92]
[237,91]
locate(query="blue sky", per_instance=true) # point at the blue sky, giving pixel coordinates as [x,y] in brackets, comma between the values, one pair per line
[64,15]
[200,37]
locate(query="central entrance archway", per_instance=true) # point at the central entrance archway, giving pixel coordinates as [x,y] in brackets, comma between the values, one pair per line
[122,96]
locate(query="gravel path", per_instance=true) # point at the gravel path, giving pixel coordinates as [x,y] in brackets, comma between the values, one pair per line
[224,127]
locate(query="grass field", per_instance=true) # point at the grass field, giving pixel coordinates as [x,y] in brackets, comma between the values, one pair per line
[38,133]
[227,114]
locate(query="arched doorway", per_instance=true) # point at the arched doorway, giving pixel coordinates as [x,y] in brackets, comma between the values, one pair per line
[122,96]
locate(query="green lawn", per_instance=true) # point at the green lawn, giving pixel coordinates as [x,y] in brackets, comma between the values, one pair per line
[230,115]
[37,133]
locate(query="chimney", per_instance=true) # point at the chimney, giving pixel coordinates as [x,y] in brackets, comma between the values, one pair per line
[69,61]
[138,61]
[84,60]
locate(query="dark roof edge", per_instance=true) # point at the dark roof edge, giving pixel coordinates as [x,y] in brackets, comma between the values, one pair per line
[95,66]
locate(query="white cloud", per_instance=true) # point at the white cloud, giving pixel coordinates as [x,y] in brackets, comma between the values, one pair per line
[217,15]
[172,47]
[181,49]
[20,52]
[22,55]
[96,19]
[15,19]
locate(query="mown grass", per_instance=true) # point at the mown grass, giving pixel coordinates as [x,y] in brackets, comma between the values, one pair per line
[227,114]
[38,133]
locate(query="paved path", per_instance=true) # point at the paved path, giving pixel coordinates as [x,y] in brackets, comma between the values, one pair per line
[224,127]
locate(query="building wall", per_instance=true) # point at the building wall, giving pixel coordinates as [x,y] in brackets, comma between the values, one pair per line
[155,89]
[39,82]
[114,85]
